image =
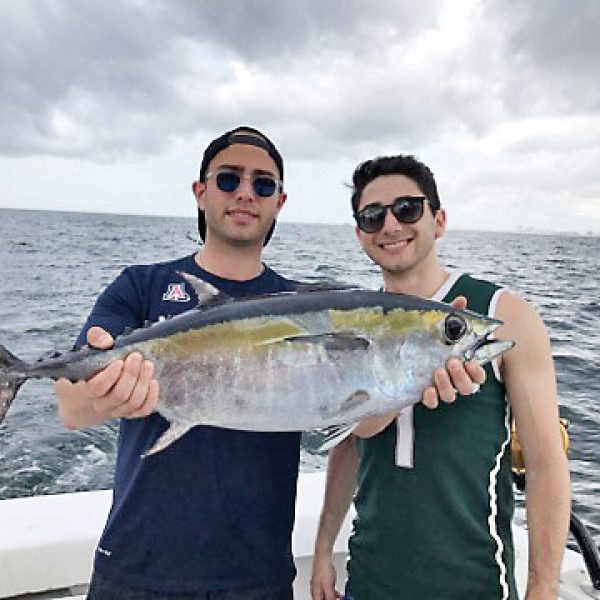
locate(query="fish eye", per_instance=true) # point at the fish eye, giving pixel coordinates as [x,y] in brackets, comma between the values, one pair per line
[455,327]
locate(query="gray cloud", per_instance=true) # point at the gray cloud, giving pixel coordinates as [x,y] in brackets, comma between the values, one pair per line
[551,50]
[275,32]
[104,81]
[92,79]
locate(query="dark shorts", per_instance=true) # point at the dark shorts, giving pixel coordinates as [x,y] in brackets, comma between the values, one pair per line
[102,588]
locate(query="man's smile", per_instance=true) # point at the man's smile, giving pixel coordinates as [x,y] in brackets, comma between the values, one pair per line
[242,215]
[395,245]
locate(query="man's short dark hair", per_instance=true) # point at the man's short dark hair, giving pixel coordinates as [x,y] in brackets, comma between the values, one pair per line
[401,164]
[239,135]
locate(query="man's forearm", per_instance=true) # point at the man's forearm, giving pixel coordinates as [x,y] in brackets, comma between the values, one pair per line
[339,491]
[548,513]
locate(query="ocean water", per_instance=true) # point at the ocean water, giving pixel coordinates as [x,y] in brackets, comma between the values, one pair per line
[53,265]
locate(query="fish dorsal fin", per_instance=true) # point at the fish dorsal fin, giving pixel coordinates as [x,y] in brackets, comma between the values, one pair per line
[334,435]
[208,294]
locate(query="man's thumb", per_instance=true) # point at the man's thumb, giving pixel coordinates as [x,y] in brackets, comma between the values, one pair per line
[459,302]
[99,338]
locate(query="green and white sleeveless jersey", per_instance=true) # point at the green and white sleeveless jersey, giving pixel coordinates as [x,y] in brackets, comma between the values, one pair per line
[435,499]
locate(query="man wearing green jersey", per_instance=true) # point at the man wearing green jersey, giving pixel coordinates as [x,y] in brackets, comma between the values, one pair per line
[434,497]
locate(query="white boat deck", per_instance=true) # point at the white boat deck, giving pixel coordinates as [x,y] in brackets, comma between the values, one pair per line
[47,545]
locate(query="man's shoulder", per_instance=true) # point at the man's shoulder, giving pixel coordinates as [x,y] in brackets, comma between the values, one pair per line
[167,266]
[139,284]
[144,277]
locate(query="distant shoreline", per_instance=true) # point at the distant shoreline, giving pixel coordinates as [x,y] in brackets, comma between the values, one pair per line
[192,218]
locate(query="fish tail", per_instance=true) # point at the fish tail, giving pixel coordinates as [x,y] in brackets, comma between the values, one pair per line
[12,376]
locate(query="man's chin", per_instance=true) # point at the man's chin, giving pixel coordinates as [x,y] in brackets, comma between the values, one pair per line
[383,261]
[245,239]
[389,265]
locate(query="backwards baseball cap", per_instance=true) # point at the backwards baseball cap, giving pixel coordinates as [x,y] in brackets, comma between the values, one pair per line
[239,135]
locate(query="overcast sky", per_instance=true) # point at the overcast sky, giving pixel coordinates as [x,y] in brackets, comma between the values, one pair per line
[107,106]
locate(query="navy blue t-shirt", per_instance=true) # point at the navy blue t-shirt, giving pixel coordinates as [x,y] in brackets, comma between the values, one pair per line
[215,510]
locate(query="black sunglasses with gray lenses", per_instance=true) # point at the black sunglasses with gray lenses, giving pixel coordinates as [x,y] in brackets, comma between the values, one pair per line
[229,181]
[406,209]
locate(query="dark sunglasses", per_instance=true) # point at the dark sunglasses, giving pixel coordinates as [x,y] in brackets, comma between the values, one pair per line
[229,181]
[406,209]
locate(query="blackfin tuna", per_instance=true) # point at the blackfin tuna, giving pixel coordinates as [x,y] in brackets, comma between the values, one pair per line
[292,361]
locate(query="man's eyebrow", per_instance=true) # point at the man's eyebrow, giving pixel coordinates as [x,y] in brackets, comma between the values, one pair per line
[239,168]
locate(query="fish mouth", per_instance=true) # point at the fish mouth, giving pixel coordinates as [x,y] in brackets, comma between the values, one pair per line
[483,348]
[486,349]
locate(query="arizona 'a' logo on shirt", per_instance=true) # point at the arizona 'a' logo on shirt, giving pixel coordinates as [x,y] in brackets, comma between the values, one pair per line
[176,293]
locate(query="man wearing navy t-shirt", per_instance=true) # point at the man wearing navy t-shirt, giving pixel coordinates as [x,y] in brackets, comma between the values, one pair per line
[212,515]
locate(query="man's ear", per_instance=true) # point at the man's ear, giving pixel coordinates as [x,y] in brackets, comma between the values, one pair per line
[281,200]
[440,223]
[199,191]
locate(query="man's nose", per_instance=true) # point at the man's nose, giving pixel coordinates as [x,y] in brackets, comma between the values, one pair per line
[391,223]
[245,190]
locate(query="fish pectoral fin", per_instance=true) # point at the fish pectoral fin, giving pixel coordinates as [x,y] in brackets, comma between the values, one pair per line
[334,435]
[175,431]
[208,295]
[316,323]
[344,341]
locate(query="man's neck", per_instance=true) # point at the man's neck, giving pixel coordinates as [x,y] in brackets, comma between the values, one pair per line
[230,262]
[418,282]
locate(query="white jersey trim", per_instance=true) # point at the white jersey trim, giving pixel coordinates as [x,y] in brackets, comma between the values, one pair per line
[405,438]
[492,313]
[446,286]
[493,528]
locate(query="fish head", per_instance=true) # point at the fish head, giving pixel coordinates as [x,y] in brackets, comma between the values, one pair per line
[470,336]
[409,345]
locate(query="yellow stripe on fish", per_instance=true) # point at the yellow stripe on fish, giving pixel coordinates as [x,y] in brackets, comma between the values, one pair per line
[397,321]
